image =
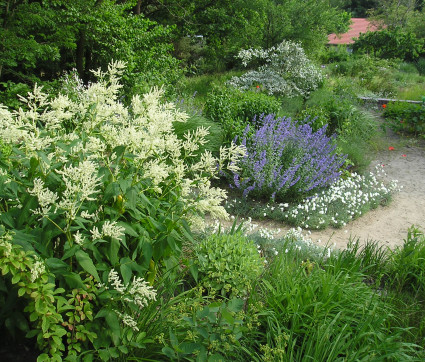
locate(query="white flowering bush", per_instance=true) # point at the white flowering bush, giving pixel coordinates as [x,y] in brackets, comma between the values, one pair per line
[286,70]
[91,185]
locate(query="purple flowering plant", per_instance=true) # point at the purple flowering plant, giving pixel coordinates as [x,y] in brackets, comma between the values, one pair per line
[287,160]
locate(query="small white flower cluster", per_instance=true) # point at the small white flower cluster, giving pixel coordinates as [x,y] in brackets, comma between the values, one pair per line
[268,233]
[343,201]
[111,229]
[46,198]
[5,243]
[139,292]
[128,320]
[38,268]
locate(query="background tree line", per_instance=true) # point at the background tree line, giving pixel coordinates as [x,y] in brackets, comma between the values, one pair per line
[159,39]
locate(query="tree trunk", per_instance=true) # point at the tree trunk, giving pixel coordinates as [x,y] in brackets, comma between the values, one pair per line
[81,42]
[138,7]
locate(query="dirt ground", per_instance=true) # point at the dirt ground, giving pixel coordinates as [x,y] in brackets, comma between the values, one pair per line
[386,224]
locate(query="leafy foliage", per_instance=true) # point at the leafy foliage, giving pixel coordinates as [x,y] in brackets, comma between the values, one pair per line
[91,186]
[234,109]
[405,117]
[227,265]
[389,44]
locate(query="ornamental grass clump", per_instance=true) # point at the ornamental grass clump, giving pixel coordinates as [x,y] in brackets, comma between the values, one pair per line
[287,160]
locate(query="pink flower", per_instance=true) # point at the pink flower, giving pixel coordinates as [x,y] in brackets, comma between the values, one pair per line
[391,148]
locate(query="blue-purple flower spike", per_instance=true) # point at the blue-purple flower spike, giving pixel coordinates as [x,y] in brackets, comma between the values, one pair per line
[285,157]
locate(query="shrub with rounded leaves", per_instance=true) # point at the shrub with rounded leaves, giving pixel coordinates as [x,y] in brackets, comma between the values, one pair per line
[233,108]
[228,265]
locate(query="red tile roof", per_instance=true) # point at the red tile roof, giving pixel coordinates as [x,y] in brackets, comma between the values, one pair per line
[359,25]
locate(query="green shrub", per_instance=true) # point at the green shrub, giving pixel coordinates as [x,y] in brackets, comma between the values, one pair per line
[420,65]
[389,44]
[405,117]
[334,54]
[373,74]
[228,265]
[9,92]
[202,330]
[234,109]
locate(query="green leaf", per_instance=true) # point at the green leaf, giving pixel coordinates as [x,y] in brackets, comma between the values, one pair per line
[190,347]
[70,252]
[114,247]
[169,353]
[173,339]
[114,325]
[216,358]
[26,213]
[227,316]
[86,263]
[131,198]
[235,305]
[112,190]
[55,265]
[73,280]
[193,268]
[126,270]
[128,229]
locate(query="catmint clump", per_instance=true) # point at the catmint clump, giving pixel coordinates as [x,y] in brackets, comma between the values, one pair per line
[286,70]
[286,159]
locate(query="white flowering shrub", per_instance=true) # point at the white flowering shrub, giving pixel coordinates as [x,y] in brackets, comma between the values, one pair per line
[286,70]
[92,185]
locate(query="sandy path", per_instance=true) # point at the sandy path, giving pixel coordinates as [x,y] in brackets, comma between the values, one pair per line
[389,224]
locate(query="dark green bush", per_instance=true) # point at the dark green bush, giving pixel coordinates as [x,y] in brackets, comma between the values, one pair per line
[420,65]
[390,44]
[234,109]
[405,117]
[228,265]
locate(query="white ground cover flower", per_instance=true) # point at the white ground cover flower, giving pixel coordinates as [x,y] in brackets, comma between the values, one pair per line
[343,201]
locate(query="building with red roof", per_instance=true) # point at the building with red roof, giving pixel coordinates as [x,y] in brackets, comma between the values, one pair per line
[358,26]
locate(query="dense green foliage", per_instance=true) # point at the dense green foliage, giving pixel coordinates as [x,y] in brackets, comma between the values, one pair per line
[405,117]
[234,109]
[389,44]
[227,265]
[41,40]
